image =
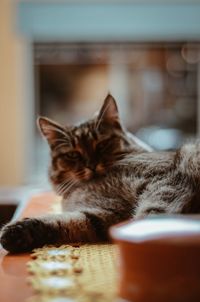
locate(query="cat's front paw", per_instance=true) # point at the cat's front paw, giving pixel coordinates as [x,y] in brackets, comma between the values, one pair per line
[23,236]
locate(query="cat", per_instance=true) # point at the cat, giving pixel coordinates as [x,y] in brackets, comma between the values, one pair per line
[104,177]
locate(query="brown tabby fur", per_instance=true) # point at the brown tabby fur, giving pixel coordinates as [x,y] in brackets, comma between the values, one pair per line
[104,177]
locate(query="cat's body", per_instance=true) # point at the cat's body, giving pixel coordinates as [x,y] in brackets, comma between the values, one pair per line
[104,178]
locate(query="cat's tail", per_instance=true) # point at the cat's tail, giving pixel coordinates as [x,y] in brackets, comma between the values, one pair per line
[188,162]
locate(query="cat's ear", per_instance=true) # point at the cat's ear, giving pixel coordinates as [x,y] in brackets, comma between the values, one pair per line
[109,112]
[50,130]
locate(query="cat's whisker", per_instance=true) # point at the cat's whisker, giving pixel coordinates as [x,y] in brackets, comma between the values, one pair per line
[62,185]
[61,192]
[68,183]
[59,188]
[58,191]
[67,188]
[70,186]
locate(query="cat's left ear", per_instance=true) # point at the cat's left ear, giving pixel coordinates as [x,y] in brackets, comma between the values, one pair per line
[51,130]
[109,112]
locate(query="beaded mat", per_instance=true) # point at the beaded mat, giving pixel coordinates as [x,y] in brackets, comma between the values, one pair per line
[82,273]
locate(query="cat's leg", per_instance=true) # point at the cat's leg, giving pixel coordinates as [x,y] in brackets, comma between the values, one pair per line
[87,225]
[168,196]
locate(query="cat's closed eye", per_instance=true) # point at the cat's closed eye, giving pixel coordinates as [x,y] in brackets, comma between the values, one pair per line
[72,155]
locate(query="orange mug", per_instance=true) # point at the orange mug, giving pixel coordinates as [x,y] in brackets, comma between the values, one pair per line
[159,259]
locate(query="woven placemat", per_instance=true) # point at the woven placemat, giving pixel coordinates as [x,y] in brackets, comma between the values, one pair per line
[82,273]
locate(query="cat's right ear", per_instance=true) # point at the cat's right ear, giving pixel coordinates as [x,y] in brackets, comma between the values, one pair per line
[50,130]
[109,113]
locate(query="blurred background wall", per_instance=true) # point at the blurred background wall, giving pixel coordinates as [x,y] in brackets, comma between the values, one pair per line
[12,123]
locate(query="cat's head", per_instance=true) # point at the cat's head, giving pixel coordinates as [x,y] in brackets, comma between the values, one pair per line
[87,151]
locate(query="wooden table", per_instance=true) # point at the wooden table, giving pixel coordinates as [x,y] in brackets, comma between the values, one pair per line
[13,272]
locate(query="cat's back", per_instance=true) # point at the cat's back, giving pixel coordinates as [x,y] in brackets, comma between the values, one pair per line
[148,163]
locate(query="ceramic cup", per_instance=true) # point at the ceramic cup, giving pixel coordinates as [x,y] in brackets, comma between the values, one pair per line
[159,259]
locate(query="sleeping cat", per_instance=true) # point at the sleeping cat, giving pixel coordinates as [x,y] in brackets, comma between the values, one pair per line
[105,177]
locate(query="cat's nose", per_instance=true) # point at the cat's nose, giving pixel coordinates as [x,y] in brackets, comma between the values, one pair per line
[92,167]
